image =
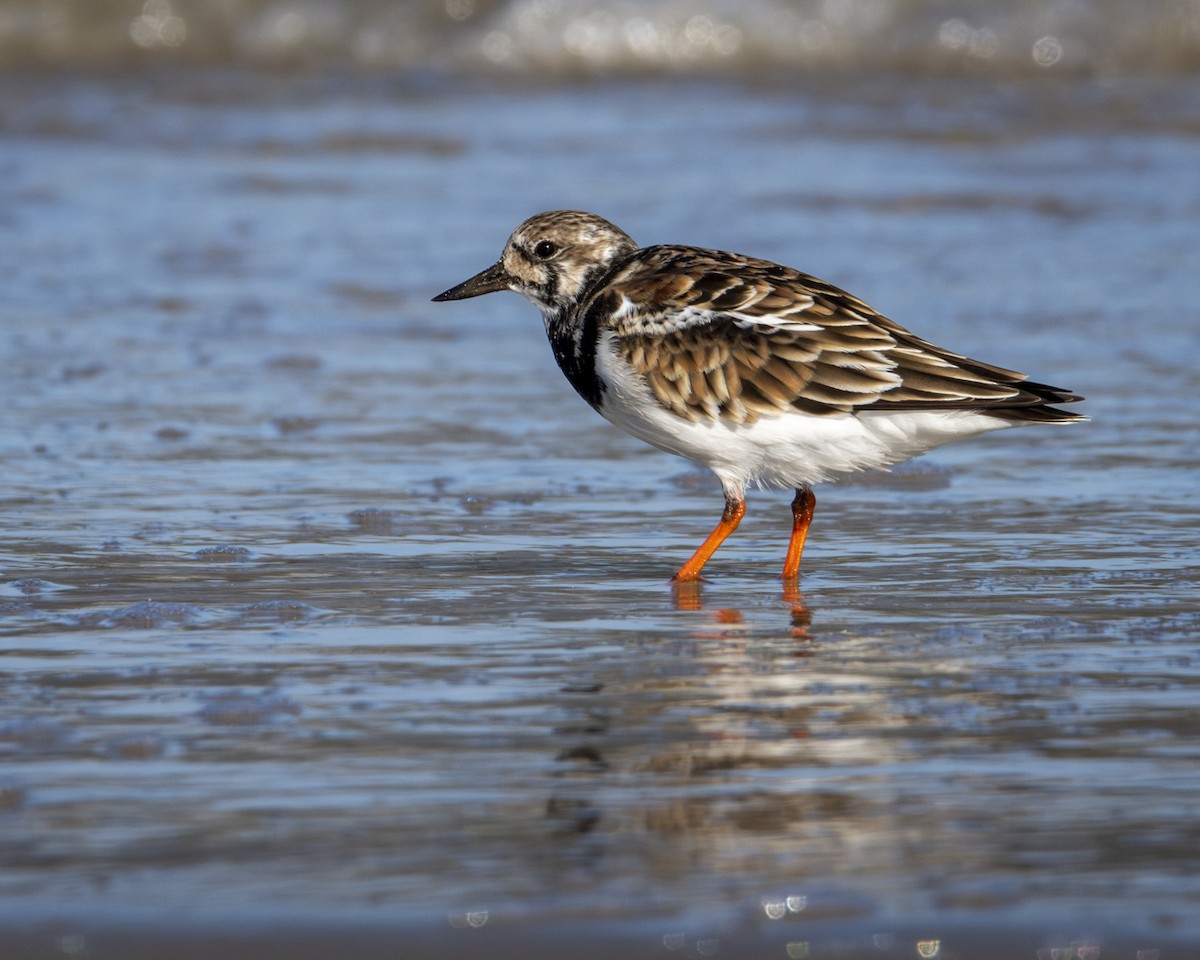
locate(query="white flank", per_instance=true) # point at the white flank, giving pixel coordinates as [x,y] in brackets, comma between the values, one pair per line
[792,450]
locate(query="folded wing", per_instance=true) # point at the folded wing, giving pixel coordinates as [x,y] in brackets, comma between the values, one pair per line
[716,335]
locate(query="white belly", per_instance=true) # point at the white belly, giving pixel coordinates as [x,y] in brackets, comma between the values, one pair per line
[794,449]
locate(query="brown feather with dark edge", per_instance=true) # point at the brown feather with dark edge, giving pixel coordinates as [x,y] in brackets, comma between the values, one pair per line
[719,334]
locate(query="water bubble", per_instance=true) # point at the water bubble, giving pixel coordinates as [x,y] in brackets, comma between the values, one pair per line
[173,31]
[957,34]
[497,46]
[698,30]
[582,38]
[158,26]
[954,34]
[460,9]
[1047,51]
[726,40]
[642,36]
[984,43]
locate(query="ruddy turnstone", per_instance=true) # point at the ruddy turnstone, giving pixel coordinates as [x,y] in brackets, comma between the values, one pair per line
[761,373]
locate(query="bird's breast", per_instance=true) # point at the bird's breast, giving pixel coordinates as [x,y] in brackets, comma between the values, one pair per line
[574,348]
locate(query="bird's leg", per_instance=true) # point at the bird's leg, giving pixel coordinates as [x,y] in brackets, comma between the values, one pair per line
[802,514]
[735,509]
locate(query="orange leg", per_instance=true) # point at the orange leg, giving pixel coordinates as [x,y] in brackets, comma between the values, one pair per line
[734,511]
[802,514]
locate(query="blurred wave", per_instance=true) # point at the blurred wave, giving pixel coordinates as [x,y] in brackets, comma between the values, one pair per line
[581,37]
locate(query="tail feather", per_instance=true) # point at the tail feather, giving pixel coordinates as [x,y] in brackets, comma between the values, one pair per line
[1036,414]
[1034,405]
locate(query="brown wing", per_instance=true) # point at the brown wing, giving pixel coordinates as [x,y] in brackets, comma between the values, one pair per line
[719,335]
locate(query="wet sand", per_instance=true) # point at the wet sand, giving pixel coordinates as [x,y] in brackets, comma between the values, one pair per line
[328,612]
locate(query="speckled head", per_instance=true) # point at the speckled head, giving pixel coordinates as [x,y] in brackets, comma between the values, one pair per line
[551,259]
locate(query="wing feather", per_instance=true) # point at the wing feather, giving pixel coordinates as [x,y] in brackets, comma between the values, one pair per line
[720,335]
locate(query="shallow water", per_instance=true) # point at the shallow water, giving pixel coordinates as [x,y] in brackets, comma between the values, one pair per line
[331,612]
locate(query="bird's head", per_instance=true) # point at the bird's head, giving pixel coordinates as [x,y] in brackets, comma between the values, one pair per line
[551,259]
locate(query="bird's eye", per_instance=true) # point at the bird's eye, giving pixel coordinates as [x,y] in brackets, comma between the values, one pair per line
[545,249]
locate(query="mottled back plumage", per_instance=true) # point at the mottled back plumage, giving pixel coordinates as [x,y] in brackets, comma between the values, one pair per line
[721,335]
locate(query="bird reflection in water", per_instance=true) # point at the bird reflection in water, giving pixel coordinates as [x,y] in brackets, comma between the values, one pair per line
[688,596]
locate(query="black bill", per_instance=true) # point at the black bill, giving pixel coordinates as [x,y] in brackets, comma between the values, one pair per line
[486,281]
